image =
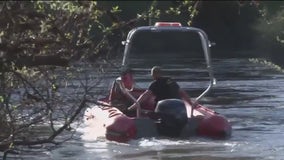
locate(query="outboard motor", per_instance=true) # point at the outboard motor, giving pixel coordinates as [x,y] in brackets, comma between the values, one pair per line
[173,117]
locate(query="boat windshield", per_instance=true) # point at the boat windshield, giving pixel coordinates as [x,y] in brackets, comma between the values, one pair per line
[167,48]
[165,42]
[177,51]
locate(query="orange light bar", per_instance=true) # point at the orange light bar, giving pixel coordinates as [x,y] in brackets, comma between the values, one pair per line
[167,24]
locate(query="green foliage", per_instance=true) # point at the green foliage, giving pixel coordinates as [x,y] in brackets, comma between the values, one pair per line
[271,25]
[115,9]
[185,7]
[267,63]
[1,99]
[50,28]
[270,8]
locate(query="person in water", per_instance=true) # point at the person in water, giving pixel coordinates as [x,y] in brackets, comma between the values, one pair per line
[161,87]
[120,94]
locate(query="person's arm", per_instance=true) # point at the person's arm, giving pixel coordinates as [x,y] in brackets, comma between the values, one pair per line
[143,97]
[185,97]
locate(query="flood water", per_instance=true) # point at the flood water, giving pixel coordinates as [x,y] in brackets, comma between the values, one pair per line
[250,95]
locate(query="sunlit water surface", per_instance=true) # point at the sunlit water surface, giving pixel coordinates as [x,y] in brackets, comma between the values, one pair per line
[249,94]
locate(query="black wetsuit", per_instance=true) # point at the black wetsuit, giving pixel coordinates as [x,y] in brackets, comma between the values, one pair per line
[164,88]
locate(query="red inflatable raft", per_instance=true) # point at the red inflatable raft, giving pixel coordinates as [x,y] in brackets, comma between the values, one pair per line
[170,117]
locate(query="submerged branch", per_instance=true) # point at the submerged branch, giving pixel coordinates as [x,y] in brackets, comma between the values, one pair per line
[5,145]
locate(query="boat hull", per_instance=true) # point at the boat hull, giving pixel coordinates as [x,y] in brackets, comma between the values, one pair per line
[173,119]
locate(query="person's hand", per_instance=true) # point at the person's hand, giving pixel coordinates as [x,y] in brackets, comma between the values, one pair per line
[133,106]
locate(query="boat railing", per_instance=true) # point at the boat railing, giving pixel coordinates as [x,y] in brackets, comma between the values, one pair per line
[206,44]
